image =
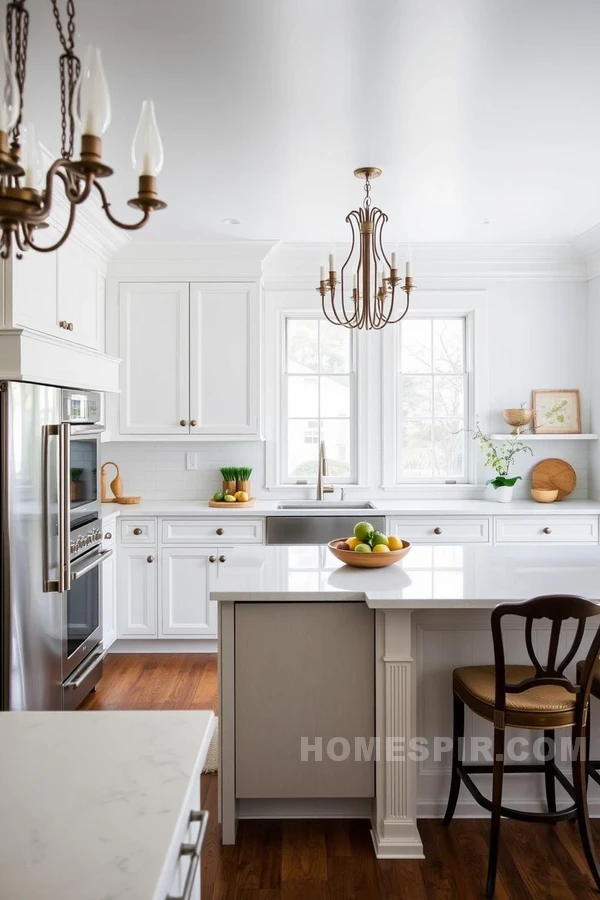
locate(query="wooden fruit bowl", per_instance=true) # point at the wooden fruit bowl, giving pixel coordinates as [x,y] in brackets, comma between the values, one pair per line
[368,560]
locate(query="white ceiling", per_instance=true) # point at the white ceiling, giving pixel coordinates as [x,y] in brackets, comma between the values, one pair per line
[475,109]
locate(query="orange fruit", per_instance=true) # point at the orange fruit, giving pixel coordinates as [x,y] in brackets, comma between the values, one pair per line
[395,543]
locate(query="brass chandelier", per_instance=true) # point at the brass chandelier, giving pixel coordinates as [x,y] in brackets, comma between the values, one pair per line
[26,197]
[372,302]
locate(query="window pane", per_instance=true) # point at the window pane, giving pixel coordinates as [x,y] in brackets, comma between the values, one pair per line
[303,395]
[416,345]
[336,434]
[448,352]
[335,396]
[418,449]
[302,345]
[303,445]
[416,395]
[449,395]
[335,348]
[449,444]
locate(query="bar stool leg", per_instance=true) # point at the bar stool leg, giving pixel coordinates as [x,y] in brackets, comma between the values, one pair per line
[549,774]
[498,776]
[458,733]
[583,815]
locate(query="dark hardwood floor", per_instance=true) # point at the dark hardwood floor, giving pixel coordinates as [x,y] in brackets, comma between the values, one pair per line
[334,860]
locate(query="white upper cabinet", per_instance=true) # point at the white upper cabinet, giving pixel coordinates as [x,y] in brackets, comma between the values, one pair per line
[35,289]
[191,360]
[224,359]
[80,297]
[154,344]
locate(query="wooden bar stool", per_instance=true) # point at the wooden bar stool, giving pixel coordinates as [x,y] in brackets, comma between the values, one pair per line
[538,697]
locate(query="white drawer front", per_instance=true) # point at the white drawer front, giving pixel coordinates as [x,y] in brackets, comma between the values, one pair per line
[138,531]
[549,530]
[459,529]
[183,868]
[212,531]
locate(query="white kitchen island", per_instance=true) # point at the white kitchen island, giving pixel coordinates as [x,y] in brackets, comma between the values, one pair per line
[293,665]
[96,805]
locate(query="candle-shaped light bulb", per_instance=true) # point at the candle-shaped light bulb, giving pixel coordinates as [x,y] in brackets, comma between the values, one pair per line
[147,151]
[322,276]
[354,282]
[31,159]
[10,97]
[408,261]
[394,260]
[331,263]
[91,100]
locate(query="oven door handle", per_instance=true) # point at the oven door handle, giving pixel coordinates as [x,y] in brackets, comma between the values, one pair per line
[95,658]
[98,558]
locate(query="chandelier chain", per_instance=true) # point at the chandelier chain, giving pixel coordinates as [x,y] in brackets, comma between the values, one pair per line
[69,67]
[367,202]
[17,35]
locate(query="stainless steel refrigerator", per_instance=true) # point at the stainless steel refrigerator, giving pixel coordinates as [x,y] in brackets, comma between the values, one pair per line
[51,546]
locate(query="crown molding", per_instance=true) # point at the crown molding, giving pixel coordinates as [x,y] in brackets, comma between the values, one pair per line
[185,261]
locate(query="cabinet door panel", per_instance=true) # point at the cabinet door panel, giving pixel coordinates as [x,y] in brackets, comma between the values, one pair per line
[185,590]
[78,296]
[154,346]
[224,359]
[35,288]
[138,583]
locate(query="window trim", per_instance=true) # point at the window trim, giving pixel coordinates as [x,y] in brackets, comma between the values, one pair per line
[472,305]
[279,305]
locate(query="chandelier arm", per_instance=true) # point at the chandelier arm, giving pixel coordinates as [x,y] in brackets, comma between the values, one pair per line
[41,214]
[353,219]
[28,234]
[125,225]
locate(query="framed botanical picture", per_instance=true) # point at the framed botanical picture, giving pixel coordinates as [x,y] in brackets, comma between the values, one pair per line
[556,412]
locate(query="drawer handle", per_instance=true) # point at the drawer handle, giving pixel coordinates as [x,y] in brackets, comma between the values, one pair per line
[183,423]
[193,423]
[547,530]
[220,531]
[150,559]
[107,536]
[137,530]
[212,558]
[437,530]
[222,559]
[193,851]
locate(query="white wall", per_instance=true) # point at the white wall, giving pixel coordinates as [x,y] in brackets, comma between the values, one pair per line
[593,319]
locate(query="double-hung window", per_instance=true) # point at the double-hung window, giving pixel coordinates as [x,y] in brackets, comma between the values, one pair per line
[432,399]
[318,399]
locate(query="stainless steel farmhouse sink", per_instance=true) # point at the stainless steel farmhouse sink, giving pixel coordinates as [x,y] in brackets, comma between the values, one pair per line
[315,529]
[327,504]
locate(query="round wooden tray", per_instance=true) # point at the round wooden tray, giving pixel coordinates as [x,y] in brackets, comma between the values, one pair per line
[221,504]
[552,474]
[368,560]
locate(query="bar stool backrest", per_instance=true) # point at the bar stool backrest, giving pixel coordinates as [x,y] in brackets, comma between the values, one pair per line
[558,608]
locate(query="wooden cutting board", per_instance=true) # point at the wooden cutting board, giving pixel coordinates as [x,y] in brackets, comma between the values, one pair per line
[554,473]
[222,504]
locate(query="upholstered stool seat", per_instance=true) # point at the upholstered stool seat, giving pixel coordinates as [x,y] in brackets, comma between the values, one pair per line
[541,706]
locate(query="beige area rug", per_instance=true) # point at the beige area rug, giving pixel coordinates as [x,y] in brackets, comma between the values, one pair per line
[212,758]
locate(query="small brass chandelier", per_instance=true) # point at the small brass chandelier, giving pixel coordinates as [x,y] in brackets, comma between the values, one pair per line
[26,197]
[372,304]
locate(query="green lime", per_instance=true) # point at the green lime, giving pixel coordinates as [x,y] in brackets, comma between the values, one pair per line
[362,548]
[363,531]
[218,497]
[379,538]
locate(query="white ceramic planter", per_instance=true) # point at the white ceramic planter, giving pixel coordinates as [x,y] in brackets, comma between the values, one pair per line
[503,494]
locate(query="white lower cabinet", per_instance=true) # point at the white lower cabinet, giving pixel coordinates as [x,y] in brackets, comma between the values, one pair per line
[138,592]
[184,597]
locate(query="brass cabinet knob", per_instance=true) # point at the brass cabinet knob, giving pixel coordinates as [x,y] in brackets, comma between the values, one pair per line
[220,531]
[183,423]
[222,559]
[70,326]
[193,423]
[137,530]
[547,530]
[212,558]
[63,324]
[150,559]
[107,536]
[437,530]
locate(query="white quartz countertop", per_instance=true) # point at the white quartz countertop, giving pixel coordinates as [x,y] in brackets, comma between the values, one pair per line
[382,507]
[460,576]
[90,802]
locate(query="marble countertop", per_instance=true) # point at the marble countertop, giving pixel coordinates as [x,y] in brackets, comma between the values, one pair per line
[450,576]
[385,507]
[90,803]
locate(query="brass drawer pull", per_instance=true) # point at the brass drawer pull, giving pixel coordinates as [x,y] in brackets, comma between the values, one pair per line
[437,530]
[193,423]
[150,559]
[547,530]
[212,558]
[222,559]
[183,423]
[137,530]
[220,531]
[70,326]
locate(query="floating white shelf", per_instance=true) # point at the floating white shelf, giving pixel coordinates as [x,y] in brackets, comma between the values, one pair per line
[546,437]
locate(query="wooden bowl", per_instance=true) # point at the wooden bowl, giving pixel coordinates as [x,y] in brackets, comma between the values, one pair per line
[543,496]
[127,500]
[368,560]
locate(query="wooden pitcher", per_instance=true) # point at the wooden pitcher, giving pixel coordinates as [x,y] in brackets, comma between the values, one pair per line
[116,484]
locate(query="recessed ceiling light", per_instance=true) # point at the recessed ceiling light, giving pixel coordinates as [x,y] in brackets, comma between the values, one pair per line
[232,221]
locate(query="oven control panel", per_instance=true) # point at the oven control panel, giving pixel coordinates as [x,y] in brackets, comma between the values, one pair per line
[85,540]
